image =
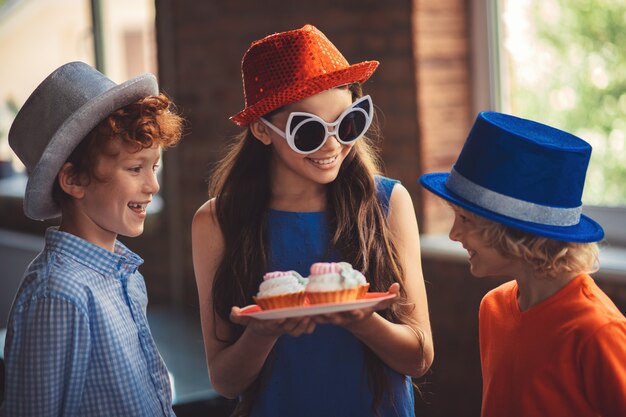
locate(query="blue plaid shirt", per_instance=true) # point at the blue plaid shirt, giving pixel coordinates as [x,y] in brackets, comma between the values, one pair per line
[78,342]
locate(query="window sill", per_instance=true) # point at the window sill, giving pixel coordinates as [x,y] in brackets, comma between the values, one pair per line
[439,246]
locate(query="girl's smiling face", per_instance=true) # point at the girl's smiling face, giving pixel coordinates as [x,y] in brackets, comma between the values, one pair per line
[321,166]
[115,202]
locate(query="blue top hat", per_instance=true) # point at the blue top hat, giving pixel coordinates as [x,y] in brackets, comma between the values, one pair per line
[522,174]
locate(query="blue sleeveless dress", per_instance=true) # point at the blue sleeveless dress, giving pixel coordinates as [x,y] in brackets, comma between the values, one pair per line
[322,374]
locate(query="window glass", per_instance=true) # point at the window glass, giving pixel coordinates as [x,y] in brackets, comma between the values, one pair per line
[37,36]
[128,38]
[563,62]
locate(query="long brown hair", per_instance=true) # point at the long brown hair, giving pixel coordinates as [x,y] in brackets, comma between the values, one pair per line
[358,222]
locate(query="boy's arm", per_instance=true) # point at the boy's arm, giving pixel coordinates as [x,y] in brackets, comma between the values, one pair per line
[604,369]
[47,354]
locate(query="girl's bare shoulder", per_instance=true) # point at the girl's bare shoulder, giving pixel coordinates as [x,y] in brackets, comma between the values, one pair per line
[205,213]
[205,220]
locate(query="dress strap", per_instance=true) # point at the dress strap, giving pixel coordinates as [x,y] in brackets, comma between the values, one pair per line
[384,187]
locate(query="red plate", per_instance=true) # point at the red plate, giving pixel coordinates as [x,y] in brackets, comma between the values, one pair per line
[370,299]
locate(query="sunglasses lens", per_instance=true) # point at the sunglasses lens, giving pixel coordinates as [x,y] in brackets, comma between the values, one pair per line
[352,126]
[309,133]
[309,136]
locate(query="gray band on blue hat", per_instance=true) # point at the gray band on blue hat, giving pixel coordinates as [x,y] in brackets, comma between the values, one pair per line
[510,206]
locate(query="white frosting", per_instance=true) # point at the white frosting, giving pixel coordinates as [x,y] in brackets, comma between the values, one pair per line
[345,277]
[276,283]
[353,273]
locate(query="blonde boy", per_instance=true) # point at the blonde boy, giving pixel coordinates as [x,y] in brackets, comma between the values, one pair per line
[551,342]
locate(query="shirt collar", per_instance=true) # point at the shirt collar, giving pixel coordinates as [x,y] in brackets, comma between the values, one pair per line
[90,254]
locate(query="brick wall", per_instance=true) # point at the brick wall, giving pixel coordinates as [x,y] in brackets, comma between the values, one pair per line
[444,101]
[422,93]
[200,50]
[421,90]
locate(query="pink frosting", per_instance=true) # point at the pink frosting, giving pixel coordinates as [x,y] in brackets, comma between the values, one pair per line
[321,268]
[276,274]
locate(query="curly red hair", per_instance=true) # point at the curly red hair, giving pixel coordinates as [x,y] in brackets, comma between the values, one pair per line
[147,122]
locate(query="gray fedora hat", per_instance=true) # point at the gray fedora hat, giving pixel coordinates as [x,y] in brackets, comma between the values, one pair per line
[61,111]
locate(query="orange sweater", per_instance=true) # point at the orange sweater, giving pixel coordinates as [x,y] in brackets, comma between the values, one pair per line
[563,357]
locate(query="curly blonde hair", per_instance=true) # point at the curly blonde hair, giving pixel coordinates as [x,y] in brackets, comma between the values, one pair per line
[550,257]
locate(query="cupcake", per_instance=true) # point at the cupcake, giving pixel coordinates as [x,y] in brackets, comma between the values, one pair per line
[281,289]
[362,283]
[334,282]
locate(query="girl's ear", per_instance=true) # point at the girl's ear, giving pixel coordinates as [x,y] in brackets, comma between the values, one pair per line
[261,132]
[69,182]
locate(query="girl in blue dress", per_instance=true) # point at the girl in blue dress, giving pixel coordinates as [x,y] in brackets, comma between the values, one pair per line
[299,186]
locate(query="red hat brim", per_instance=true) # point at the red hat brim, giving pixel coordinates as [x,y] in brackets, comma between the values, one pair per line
[360,72]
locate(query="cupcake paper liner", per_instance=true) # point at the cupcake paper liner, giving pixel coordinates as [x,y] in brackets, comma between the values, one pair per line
[348,294]
[280,301]
[362,290]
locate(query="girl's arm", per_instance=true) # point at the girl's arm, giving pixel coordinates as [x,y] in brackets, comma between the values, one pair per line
[232,366]
[408,349]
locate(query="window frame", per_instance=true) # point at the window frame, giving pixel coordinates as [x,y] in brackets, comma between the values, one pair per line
[488,93]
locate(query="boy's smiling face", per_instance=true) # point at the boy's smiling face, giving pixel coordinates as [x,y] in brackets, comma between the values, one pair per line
[115,202]
[485,261]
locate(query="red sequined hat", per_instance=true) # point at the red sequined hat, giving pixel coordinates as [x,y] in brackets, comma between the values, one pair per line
[289,66]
